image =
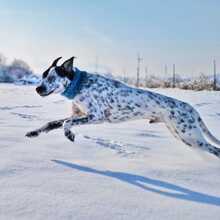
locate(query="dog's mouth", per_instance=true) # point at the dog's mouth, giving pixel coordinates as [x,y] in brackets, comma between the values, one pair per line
[46,94]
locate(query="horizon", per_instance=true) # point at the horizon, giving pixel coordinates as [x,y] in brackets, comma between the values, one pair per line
[184,33]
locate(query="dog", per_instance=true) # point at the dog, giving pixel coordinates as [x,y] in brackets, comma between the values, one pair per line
[98,99]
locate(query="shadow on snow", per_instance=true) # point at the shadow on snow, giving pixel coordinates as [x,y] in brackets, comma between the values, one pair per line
[150,184]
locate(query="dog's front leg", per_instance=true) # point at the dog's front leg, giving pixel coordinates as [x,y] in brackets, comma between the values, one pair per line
[76,121]
[47,127]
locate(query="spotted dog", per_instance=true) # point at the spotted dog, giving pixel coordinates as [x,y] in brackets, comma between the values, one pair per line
[99,99]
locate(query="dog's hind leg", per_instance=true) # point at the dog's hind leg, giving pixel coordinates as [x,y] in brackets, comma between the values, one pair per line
[172,130]
[200,142]
[193,137]
[76,121]
[47,127]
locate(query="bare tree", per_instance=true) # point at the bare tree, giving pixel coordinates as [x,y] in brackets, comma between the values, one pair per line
[2,60]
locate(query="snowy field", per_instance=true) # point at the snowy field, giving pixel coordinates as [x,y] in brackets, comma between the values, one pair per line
[132,170]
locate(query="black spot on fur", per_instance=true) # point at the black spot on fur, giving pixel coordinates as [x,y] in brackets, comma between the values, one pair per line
[172,113]
[129,107]
[201,144]
[138,105]
[191,120]
[171,103]
[82,98]
[116,84]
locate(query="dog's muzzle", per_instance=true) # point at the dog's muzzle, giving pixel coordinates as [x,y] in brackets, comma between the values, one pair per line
[41,90]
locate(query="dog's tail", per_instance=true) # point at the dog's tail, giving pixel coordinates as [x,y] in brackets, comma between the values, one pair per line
[207,133]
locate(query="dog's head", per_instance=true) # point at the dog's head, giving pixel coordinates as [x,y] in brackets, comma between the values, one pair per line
[56,78]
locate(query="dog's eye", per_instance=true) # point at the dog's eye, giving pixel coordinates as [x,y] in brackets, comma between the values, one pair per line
[60,71]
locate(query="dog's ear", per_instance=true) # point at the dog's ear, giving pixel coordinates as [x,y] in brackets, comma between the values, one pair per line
[56,61]
[68,65]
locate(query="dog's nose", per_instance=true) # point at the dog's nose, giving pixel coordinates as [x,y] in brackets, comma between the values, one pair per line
[40,89]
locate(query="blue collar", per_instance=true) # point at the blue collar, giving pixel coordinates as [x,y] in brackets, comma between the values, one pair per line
[73,88]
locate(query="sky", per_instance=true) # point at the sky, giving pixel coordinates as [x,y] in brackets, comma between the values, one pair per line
[107,35]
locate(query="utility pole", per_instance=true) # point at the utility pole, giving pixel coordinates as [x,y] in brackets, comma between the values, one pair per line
[214,75]
[174,75]
[139,59]
[165,69]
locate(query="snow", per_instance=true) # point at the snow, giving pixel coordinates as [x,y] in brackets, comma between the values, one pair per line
[132,170]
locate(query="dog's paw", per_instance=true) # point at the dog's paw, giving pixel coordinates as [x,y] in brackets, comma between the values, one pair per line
[70,135]
[32,134]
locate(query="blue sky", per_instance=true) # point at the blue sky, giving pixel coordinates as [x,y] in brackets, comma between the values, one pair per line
[164,32]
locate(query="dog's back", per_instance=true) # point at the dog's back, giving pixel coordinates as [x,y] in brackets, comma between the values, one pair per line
[113,100]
